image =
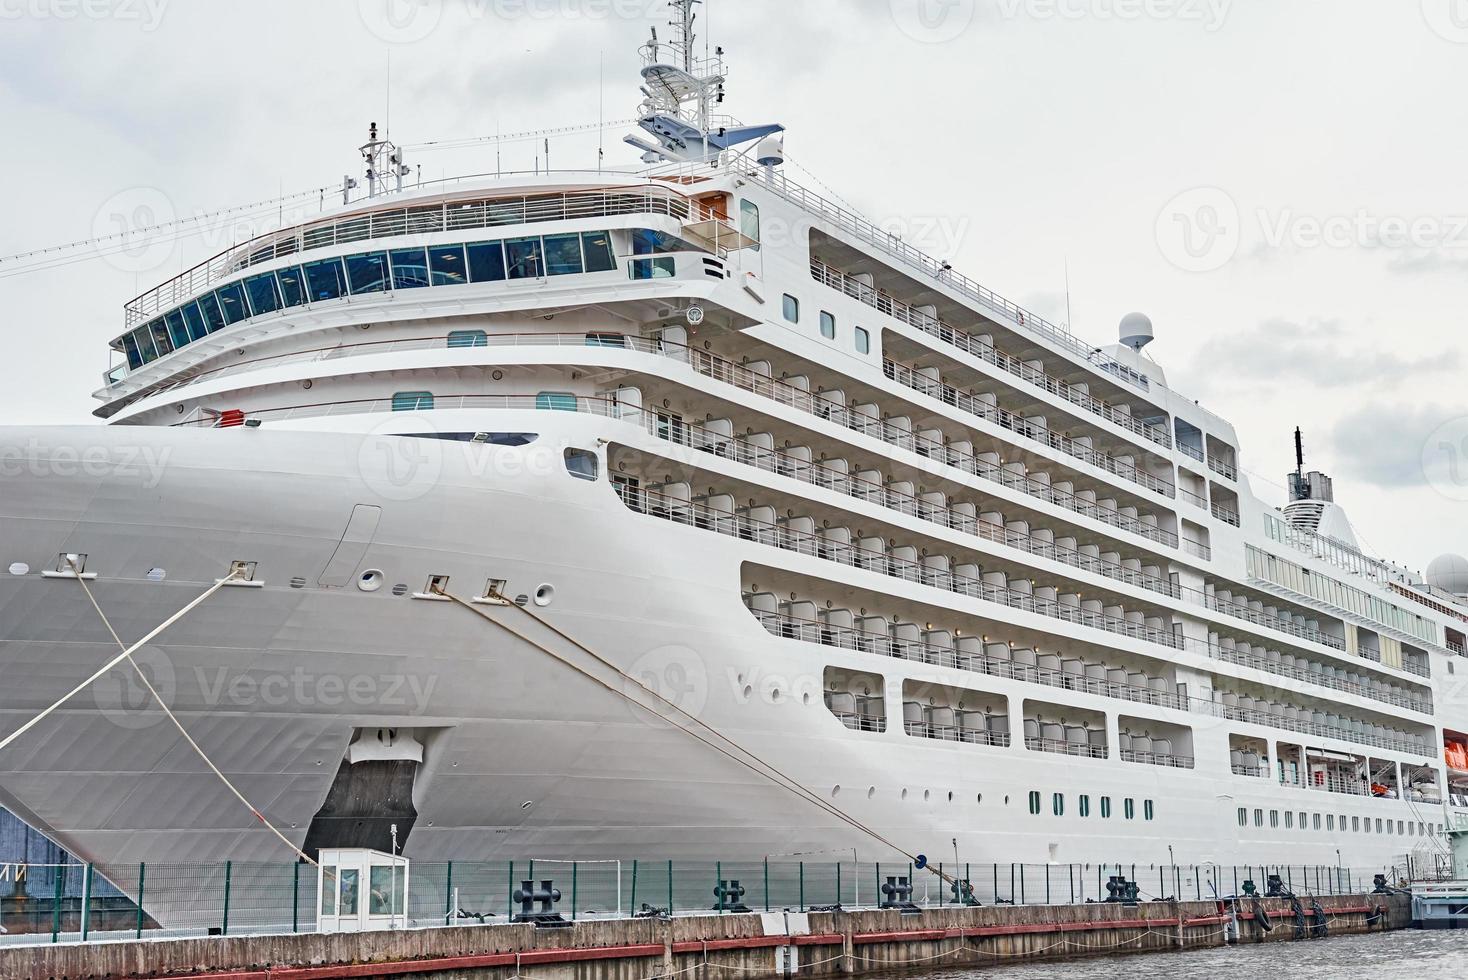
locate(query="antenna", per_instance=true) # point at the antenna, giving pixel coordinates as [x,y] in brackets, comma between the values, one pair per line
[1299,452]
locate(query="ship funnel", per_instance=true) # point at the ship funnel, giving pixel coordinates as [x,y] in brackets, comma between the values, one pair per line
[1136,331]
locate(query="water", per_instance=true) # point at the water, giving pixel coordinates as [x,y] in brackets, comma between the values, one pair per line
[1409,954]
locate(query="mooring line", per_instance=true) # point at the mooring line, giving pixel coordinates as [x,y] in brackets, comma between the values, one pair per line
[758,766]
[179,724]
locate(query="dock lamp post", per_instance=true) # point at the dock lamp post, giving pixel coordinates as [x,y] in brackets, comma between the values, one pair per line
[1338,867]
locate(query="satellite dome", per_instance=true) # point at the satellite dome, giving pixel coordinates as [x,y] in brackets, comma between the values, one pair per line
[1136,330]
[770,152]
[1449,573]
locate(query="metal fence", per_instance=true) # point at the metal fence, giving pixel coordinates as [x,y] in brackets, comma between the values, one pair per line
[40,904]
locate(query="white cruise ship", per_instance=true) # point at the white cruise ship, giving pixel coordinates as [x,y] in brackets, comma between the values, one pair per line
[913,564]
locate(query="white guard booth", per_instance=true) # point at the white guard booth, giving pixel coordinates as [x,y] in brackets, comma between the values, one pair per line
[360,890]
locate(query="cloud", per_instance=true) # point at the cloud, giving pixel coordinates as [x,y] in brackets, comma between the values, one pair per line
[1320,354]
[1428,262]
[1401,446]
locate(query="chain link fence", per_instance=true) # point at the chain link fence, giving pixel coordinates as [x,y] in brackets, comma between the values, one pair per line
[76,902]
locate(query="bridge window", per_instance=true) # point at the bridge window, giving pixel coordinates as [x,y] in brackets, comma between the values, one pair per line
[446,265]
[264,293]
[161,343]
[523,258]
[468,338]
[292,285]
[409,268]
[563,255]
[412,401]
[486,261]
[828,326]
[130,348]
[367,272]
[326,279]
[198,330]
[213,315]
[597,246]
[178,331]
[232,301]
[863,341]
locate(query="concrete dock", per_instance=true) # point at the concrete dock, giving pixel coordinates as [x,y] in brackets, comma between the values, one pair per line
[749,946]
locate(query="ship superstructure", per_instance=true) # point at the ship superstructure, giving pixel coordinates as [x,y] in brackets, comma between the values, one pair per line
[955,570]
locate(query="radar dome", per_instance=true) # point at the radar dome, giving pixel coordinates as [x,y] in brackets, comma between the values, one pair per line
[1449,573]
[770,152]
[1136,330]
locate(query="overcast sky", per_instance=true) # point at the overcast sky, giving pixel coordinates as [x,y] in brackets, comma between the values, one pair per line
[1279,185]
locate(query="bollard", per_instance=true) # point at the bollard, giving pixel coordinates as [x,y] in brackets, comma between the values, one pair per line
[546,896]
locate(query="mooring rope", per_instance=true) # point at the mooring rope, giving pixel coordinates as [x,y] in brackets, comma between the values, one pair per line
[758,766]
[179,724]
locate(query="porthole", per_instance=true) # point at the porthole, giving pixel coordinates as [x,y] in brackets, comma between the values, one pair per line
[20,568]
[545,594]
[748,692]
[904,794]
[775,695]
[979,798]
[370,580]
[871,792]
[836,791]
[950,796]
[927,795]
[157,574]
[805,698]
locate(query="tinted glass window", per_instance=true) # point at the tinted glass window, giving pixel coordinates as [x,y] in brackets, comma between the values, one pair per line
[605,340]
[292,285]
[486,262]
[468,338]
[178,331]
[161,342]
[597,246]
[749,221]
[523,258]
[659,268]
[409,268]
[232,301]
[581,464]
[195,321]
[411,401]
[446,265]
[559,401]
[325,279]
[213,315]
[264,293]
[562,255]
[143,340]
[130,348]
[367,273]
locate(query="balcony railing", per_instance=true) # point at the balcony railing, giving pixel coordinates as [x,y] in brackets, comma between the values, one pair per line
[1401,700]
[970,344]
[1061,747]
[1223,467]
[1157,759]
[1023,428]
[956,733]
[1226,514]
[740,526]
[1261,771]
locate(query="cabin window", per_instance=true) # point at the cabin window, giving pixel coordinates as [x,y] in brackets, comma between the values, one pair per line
[1057,804]
[1106,808]
[446,265]
[828,326]
[1084,807]
[563,255]
[1243,816]
[1034,801]
[791,308]
[409,268]
[749,222]
[863,341]
[367,272]
[582,464]
[325,278]
[292,285]
[596,246]
[1273,818]
[1147,810]
[1129,808]
[556,401]
[1289,820]
[1258,818]
[486,261]
[412,401]
[468,338]
[523,258]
